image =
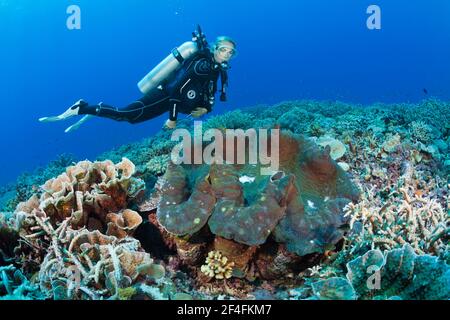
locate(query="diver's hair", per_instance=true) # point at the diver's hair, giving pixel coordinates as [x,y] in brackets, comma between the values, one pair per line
[221,39]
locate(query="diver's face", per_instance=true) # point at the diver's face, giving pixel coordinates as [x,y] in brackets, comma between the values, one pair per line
[224,52]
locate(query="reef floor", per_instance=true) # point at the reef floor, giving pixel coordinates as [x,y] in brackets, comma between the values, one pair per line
[359,209]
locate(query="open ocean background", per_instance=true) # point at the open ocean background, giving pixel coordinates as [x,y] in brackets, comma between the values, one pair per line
[288,50]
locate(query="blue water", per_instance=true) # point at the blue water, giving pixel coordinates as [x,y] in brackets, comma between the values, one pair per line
[288,49]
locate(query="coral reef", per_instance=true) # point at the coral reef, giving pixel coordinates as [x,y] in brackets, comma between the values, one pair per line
[358,210]
[235,119]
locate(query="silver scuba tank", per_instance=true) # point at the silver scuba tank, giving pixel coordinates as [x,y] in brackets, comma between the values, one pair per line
[165,68]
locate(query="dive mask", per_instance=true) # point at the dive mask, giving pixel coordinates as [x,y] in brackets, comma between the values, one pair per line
[224,50]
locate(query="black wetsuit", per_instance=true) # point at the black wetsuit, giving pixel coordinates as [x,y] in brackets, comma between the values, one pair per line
[193,85]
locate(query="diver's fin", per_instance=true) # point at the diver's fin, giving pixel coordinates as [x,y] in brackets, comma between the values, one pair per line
[72,111]
[77,124]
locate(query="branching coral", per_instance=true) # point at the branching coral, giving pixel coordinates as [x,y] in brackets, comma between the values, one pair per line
[413,218]
[79,261]
[158,164]
[235,119]
[15,286]
[84,264]
[217,266]
[297,120]
[421,131]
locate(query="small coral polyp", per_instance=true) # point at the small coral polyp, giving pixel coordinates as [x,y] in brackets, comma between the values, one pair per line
[217,266]
[300,207]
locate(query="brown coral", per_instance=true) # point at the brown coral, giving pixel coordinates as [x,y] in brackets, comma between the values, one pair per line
[123,224]
[86,193]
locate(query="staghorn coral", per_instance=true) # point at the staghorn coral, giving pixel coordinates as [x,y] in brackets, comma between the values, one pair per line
[415,219]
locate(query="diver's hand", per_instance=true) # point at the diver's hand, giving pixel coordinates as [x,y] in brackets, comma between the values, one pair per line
[170,124]
[198,112]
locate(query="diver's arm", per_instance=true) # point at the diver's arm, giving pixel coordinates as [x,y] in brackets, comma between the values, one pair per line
[170,124]
[198,112]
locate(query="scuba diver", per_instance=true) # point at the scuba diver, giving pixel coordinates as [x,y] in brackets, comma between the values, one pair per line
[184,82]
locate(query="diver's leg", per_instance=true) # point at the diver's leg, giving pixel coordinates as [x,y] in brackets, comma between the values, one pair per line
[140,110]
[72,111]
[148,107]
[77,124]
